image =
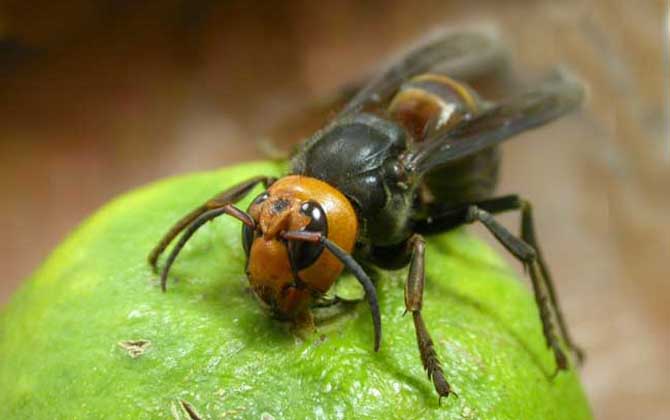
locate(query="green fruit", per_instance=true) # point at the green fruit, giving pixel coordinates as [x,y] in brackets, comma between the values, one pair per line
[68,337]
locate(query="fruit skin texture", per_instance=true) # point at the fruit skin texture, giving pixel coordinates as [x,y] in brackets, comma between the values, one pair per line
[214,347]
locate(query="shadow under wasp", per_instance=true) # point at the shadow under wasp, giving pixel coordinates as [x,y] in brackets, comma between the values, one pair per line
[412,153]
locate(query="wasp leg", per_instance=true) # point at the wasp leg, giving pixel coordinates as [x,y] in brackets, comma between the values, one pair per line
[514,202]
[335,301]
[229,196]
[413,304]
[527,255]
[525,249]
[528,235]
[326,311]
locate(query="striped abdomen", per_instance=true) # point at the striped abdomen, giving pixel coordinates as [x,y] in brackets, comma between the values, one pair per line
[429,103]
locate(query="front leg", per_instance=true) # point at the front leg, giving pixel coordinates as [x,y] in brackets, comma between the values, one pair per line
[413,304]
[221,203]
[230,196]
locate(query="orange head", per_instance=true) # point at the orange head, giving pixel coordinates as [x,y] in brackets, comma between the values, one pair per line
[287,274]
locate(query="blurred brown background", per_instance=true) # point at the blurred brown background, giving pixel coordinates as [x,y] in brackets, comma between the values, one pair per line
[97,97]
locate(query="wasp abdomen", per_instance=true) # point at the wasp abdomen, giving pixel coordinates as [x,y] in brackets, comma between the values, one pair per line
[430,102]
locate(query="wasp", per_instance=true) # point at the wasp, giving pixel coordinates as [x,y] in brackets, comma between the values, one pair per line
[413,153]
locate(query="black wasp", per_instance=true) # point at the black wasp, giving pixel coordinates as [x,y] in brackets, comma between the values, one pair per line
[413,153]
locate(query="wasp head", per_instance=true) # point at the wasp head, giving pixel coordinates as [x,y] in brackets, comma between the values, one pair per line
[286,275]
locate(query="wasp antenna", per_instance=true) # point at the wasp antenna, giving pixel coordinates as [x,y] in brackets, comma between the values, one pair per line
[354,268]
[364,280]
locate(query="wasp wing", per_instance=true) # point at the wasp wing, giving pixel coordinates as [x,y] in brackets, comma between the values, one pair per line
[461,55]
[534,108]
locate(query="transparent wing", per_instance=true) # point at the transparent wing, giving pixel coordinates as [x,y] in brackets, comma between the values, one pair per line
[531,109]
[461,55]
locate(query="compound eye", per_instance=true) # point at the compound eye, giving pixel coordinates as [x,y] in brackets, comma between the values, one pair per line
[247,238]
[247,232]
[258,200]
[303,254]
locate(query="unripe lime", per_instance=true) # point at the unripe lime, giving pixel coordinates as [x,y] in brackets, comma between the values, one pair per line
[90,335]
